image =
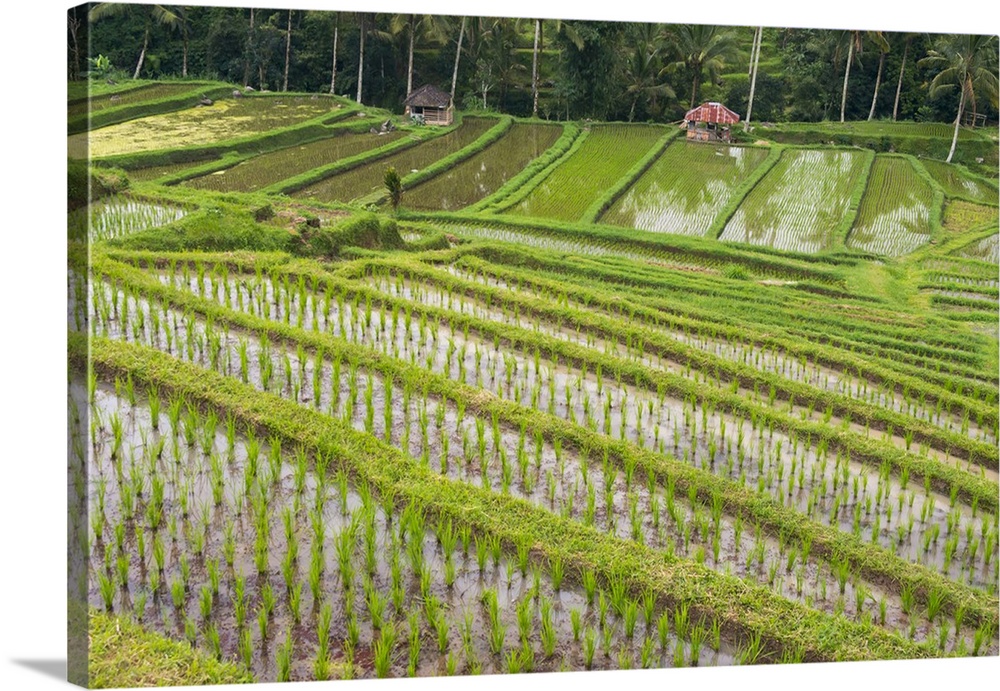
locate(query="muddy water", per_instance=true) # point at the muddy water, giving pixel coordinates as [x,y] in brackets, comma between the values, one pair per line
[769,360]
[768,569]
[844,491]
[378,543]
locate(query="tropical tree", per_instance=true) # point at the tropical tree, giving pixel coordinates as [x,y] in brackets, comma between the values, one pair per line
[701,47]
[853,43]
[150,14]
[883,47]
[902,68]
[425,27]
[642,69]
[458,55]
[333,72]
[969,62]
[754,61]
[288,51]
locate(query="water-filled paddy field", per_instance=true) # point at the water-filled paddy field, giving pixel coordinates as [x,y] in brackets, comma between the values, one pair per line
[365,179]
[486,172]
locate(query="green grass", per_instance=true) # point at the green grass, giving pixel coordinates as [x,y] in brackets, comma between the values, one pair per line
[800,203]
[686,189]
[608,152]
[123,654]
[147,92]
[225,119]
[895,214]
[987,249]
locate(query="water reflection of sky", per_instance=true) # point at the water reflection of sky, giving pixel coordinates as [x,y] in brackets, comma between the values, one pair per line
[685,189]
[799,203]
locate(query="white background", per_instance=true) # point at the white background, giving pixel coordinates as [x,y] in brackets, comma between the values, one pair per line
[32,337]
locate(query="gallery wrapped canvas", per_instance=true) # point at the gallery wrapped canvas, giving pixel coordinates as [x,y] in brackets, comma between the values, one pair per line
[409,345]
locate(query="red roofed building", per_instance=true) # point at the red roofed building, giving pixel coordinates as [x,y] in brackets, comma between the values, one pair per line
[710,122]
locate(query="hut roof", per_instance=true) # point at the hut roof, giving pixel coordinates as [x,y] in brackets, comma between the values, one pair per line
[712,112]
[428,96]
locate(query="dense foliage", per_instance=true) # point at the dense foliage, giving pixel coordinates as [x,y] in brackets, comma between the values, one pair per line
[601,70]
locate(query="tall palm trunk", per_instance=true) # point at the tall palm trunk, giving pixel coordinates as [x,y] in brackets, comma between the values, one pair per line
[878,82]
[184,64]
[695,84]
[409,69]
[361,55]
[458,55]
[333,72]
[534,71]
[142,54]
[899,84]
[847,75]
[958,121]
[288,51]
[754,61]
[247,52]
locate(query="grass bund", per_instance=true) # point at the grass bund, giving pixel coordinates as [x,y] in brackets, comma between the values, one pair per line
[592,397]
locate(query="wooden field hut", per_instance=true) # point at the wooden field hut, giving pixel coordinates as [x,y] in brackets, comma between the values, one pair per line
[430,103]
[710,122]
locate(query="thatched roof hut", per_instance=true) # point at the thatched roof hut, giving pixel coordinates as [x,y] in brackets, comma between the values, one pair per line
[710,122]
[430,103]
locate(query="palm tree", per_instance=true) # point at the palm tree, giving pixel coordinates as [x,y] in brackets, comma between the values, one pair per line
[754,61]
[458,54]
[288,50]
[902,68]
[969,62]
[642,69]
[534,68]
[883,48]
[853,42]
[151,13]
[361,53]
[431,27]
[701,47]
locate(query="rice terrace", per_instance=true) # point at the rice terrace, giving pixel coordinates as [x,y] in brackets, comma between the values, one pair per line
[407,345]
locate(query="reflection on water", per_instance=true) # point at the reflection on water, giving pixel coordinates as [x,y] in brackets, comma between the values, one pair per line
[799,203]
[487,171]
[685,189]
[894,218]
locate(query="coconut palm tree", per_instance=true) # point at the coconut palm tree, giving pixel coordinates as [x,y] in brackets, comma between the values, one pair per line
[754,61]
[427,27]
[969,62]
[902,69]
[642,69]
[159,14]
[458,55]
[883,47]
[288,51]
[701,47]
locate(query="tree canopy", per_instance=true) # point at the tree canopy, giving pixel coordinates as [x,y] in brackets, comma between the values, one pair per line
[576,69]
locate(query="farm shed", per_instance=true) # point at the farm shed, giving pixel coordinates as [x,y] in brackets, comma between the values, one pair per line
[430,103]
[710,122]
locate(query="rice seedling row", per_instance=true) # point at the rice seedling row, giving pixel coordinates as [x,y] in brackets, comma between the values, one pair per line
[895,214]
[575,546]
[368,178]
[608,153]
[764,559]
[960,216]
[785,356]
[987,250]
[685,190]
[468,297]
[119,216]
[484,173]
[270,168]
[959,183]
[938,355]
[799,204]
[221,506]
